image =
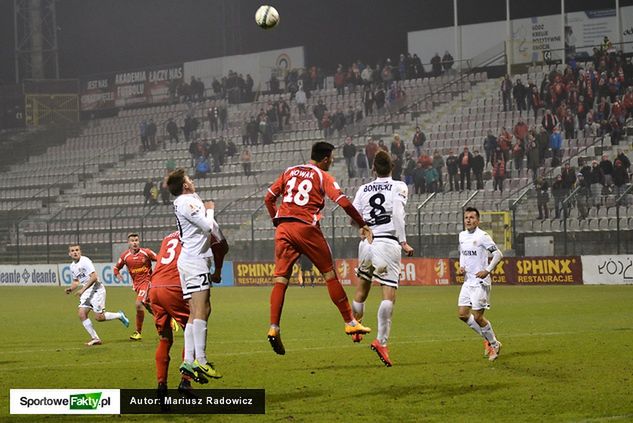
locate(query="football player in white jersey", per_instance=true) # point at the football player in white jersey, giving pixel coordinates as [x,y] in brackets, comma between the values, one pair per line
[92,294]
[474,246]
[382,204]
[196,226]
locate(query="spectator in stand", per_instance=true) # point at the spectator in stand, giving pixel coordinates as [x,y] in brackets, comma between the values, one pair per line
[478,169]
[559,192]
[397,147]
[172,130]
[596,182]
[379,98]
[504,142]
[568,175]
[370,151]
[382,146]
[465,164]
[607,170]
[438,165]
[221,151]
[498,170]
[396,172]
[549,121]
[556,144]
[583,197]
[151,134]
[338,122]
[213,115]
[202,167]
[430,179]
[319,111]
[193,151]
[419,178]
[506,93]
[301,99]
[326,124]
[148,192]
[542,142]
[362,164]
[143,134]
[542,197]
[517,155]
[409,168]
[252,131]
[191,125]
[447,61]
[387,74]
[436,65]
[367,75]
[452,165]
[339,80]
[532,154]
[490,145]
[418,141]
[223,116]
[349,153]
[231,148]
[266,131]
[535,101]
[519,92]
[368,99]
[620,177]
[246,158]
[164,190]
[626,163]
[170,164]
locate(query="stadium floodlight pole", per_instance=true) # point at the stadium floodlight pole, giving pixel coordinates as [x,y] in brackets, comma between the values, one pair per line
[513,208]
[419,211]
[618,24]
[458,38]
[508,46]
[562,33]
[253,215]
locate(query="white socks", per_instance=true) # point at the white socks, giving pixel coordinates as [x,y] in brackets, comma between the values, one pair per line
[384,321]
[358,309]
[489,334]
[189,343]
[111,316]
[474,325]
[200,340]
[88,326]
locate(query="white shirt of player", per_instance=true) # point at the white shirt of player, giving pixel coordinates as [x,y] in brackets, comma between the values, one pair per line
[82,270]
[473,255]
[195,224]
[381,203]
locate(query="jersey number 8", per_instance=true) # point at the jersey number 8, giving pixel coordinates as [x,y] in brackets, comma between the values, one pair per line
[302,196]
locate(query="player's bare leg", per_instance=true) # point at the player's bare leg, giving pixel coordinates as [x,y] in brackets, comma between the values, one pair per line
[358,305]
[385,311]
[277,297]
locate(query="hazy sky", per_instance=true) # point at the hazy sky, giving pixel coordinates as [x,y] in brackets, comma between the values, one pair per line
[106,35]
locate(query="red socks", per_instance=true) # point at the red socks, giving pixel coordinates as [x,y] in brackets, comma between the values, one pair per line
[140,316]
[277,302]
[162,360]
[339,298]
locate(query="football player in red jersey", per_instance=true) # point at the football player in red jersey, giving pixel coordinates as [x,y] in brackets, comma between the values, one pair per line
[303,189]
[167,303]
[139,263]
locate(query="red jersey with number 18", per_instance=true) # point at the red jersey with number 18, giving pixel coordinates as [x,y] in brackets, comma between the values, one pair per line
[303,189]
[166,270]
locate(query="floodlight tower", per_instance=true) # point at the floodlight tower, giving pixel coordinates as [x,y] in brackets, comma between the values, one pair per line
[35,27]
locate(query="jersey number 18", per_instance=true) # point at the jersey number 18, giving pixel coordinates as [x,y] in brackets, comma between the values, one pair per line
[302,196]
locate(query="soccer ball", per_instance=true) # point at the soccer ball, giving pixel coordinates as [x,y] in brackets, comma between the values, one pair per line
[267,17]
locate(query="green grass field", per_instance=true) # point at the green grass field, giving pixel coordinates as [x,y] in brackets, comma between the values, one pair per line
[567,355]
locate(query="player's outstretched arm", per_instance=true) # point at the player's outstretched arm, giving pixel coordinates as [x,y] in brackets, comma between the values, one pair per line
[72,287]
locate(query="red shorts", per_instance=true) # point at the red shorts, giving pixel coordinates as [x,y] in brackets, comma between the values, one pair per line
[167,302]
[141,291]
[295,238]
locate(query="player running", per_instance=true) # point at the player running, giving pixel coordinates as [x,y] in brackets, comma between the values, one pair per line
[382,204]
[139,263]
[303,189]
[167,302]
[195,224]
[474,245]
[92,294]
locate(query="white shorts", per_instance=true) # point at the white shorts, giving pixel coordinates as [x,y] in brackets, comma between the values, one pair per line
[474,296]
[380,261]
[94,298]
[195,274]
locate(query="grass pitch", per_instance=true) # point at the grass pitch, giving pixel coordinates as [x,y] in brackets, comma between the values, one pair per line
[567,355]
